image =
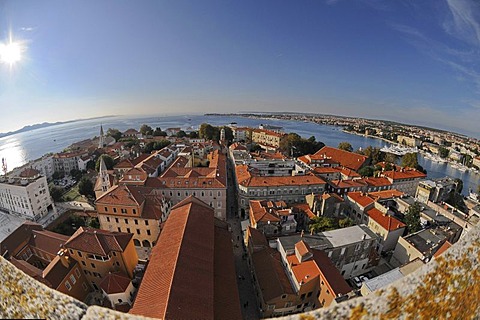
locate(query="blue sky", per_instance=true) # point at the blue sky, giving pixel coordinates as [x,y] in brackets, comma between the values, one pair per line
[409,61]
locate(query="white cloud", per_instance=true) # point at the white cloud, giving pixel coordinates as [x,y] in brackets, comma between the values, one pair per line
[464,23]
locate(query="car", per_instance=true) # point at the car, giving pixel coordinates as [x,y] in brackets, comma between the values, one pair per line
[357,282]
[364,278]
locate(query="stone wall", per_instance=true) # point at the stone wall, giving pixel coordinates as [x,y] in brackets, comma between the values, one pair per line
[445,288]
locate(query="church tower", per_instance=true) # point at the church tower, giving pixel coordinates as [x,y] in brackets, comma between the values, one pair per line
[101,140]
[103,182]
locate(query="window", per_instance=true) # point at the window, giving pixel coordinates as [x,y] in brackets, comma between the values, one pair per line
[146,222]
[83,262]
[116,220]
[138,231]
[148,232]
[284,296]
[93,265]
[77,272]
[71,251]
[114,253]
[85,287]
[119,229]
[302,296]
[108,219]
[126,221]
[72,277]
[106,209]
[68,285]
[79,253]
[128,230]
[134,211]
[115,210]
[124,210]
[136,221]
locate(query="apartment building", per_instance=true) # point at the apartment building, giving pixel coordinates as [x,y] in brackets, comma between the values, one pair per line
[133,209]
[436,190]
[291,189]
[405,180]
[64,162]
[26,196]
[99,252]
[209,184]
[267,139]
[275,218]
[293,282]
[353,250]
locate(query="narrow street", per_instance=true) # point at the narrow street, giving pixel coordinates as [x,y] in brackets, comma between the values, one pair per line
[248,300]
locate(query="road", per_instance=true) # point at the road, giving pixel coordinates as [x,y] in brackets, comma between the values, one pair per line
[248,300]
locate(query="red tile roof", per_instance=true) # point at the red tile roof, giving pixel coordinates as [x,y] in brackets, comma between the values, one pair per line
[342,184]
[347,159]
[30,270]
[386,221]
[29,173]
[404,174]
[99,242]
[444,247]
[378,182]
[47,241]
[386,194]
[115,282]
[361,198]
[258,212]
[246,179]
[179,282]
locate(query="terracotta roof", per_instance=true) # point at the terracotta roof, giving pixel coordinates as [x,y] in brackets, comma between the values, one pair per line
[347,159]
[335,196]
[258,212]
[342,184]
[386,221]
[29,173]
[444,247]
[246,179]
[56,271]
[179,282]
[125,195]
[96,241]
[237,146]
[270,274]
[30,270]
[326,170]
[305,208]
[115,282]
[47,241]
[302,248]
[330,273]
[18,238]
[269,132]
[386,194]
[349,173]
[257,238]
[378,182]
[362,198]
[404,174]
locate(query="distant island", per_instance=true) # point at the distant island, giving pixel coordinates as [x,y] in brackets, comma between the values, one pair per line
[45,125]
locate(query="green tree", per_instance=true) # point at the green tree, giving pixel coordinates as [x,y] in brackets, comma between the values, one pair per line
[345,146]
[374,154]
[366,172]
[295,145]
[114,133]
[57,175]
[85,187]
[108,162]
[156,145]
[76,174]
[159,133]
[228,133]
[412,218]
[181,134]
[56,193]
[94,223]
[193,134]
[255,148]
[443,152]
[410,160]
[390,158]
[146,130]
[208,132]
[346,222]
[320,224]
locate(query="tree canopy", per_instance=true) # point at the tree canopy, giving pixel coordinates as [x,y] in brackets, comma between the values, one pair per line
[85,187]
[412,218]
[345,146]
[295,145]
[366,171]
[156,145]
[108,162]
[146,130]
[443,152]
[114,133]
[410,160]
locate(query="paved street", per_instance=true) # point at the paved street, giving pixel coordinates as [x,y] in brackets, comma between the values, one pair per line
[248,301]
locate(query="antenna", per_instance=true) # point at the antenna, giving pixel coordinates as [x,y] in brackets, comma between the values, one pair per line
[4,166]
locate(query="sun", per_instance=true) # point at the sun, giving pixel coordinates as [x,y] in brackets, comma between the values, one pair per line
[10,53]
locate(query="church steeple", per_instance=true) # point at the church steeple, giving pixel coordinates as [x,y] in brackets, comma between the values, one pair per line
[101,140]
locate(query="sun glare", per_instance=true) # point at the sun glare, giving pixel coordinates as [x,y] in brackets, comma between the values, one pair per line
[10,53]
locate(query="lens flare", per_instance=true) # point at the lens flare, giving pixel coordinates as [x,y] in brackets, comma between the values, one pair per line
[10,53]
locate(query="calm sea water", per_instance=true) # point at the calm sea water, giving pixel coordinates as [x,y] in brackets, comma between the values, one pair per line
[23,147]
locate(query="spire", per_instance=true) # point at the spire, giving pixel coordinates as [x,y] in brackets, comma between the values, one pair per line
[103,166]
[101,130]
[101,139]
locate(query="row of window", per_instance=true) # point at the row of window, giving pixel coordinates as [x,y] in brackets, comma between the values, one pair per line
[122,210]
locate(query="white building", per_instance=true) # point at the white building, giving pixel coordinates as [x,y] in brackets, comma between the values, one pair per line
[27,197]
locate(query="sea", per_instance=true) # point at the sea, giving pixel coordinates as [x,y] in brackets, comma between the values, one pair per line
[18,149]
